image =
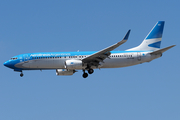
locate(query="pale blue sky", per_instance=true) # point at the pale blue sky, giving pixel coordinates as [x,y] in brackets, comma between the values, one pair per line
[150,91]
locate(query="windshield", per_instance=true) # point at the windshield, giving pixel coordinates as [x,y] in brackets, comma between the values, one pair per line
[14,58]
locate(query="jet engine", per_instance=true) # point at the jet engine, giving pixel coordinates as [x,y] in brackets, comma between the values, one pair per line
[64,72]
[74,64]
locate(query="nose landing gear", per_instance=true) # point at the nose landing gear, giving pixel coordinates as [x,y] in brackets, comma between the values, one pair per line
[21,74]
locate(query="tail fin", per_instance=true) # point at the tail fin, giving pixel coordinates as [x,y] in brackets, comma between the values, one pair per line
[153,40]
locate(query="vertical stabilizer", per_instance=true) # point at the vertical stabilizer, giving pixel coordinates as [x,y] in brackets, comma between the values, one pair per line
[153,40]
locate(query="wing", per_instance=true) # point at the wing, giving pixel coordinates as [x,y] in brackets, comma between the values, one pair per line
[99,56]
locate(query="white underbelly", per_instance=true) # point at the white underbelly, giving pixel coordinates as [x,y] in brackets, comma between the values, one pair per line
[117,62]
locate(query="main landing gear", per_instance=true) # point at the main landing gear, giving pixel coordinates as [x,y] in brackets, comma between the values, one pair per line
[90,71]
[85,75]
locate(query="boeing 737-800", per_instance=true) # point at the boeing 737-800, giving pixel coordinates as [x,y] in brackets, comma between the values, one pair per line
[67,63]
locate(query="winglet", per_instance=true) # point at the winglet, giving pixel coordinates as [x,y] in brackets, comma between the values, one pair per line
[127,35]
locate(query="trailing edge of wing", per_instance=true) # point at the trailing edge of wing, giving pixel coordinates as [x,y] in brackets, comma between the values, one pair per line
[107,50]
[161,50]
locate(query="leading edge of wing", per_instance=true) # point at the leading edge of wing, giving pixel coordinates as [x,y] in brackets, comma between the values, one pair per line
[108,49]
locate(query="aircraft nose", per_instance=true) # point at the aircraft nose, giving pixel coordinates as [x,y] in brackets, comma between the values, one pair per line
[7,64]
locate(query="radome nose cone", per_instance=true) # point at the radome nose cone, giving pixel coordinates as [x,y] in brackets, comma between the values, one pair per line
[6,64]
[9,64]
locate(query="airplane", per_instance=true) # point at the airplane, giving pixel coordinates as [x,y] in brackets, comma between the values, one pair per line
[67,63]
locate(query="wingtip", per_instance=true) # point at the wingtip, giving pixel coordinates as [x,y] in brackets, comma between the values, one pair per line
[172,46]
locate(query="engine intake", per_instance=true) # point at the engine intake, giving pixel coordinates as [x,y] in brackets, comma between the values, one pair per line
[74,64]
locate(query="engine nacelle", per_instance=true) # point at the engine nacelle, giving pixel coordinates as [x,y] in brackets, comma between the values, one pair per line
[74,64]
[64,72]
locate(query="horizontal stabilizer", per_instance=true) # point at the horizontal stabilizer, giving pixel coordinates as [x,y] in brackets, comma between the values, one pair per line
[161,50]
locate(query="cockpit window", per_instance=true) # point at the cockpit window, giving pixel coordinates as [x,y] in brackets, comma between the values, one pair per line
[14,58]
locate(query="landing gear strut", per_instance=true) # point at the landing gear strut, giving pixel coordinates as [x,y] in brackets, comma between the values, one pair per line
[21,74]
